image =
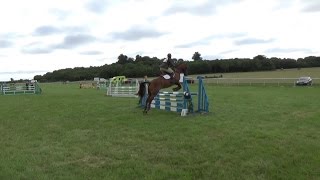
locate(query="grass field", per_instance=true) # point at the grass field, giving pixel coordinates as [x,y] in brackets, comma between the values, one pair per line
[250,133]
[285,73]
[285,77]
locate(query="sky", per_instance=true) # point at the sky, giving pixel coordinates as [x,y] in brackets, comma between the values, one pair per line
[40,36]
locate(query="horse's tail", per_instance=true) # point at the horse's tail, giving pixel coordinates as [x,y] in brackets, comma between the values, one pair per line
[142,89]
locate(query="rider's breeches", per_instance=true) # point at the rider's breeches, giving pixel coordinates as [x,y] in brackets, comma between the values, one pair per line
[169,70]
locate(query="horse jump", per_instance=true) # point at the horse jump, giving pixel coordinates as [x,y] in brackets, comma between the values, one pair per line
[170,101]
[177,101]
[160,83]
[118,90]
[14,89]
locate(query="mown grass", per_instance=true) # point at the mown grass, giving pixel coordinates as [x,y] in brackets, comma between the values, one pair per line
[284,73]
[72,133]
[284,77]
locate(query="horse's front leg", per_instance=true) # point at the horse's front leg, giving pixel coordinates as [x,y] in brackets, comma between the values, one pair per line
[177,88]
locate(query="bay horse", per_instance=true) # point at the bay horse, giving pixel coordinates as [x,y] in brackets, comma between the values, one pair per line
[160,83]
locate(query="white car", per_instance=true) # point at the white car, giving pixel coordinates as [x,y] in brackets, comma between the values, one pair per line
[304,81]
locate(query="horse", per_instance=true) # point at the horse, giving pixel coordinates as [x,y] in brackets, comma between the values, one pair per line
[160,83]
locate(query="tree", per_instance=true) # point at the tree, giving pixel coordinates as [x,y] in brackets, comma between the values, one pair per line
[260,57]
[197,56]
[138,58]
[122,59]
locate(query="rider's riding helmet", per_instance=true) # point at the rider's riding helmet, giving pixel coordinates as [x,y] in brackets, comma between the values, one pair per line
[169,56]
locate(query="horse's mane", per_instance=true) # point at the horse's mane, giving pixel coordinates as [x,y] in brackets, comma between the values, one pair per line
[181,68]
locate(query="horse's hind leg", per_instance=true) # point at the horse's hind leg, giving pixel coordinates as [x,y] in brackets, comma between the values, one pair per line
[148,104]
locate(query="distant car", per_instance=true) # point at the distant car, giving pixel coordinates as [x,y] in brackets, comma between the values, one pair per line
[304,81]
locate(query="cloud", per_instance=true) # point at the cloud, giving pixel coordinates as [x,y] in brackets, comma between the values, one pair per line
[97,6]
[91,52]
[230,35]
[204,9]
[212,57]
[5,43]
[72,41]
[207,40]
[51,30]
[201,9]
[283,4]
[192,44]
[60,14]
[23,72]
[137,33]
[36,48]
[247,41]
[46,30]
[311,6]
[228,51]
[69,42]
[288,50]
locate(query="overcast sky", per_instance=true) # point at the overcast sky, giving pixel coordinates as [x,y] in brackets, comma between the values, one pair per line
[39,36]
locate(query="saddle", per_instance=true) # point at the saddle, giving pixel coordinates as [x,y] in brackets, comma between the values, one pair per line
[167,76]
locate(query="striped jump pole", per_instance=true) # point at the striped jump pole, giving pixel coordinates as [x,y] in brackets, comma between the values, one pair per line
[170,101]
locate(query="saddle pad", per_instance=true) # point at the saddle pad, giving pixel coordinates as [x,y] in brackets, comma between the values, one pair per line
[166,76]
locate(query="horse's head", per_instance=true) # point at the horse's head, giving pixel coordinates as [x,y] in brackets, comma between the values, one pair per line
[182,68]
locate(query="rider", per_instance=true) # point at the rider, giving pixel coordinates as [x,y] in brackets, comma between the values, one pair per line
[167,67]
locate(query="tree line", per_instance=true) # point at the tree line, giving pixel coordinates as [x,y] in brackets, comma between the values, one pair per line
[140,66]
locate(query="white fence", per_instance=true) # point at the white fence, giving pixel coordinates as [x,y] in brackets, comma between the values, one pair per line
[19,90]
[123,90]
